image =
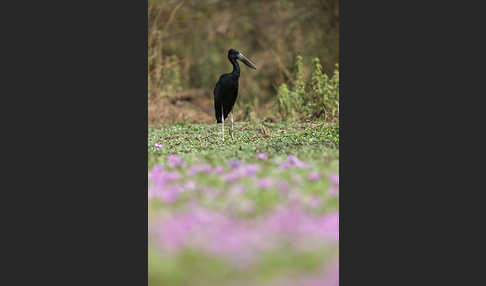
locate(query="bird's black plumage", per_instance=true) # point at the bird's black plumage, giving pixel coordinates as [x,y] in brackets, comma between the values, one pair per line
[226,89]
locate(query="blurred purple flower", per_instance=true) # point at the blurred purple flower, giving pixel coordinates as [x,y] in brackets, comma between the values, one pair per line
[329,225]
[284,165]
[314,176]
[266,183]
[159,146]
[235,164]
[331,276]
[241,240]
[333,191]
[243,170]
[251,169]
[158,176]
[315,202]
[283,186]
[293,161]
[233,176]
[155,172]
[198,168]
[170,194]
[262,156]
[174,160]
[334,188]
[159,180]
[218,170]
[334,178]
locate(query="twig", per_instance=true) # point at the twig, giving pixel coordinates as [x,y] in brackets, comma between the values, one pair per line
[171,17]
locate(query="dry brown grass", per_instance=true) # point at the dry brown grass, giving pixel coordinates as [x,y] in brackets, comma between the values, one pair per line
[193,106]
[196,106]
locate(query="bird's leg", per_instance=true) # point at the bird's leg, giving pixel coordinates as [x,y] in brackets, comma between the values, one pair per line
[222,126]
[231,114]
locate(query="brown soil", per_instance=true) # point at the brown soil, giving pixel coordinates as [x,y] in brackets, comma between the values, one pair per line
[193,106]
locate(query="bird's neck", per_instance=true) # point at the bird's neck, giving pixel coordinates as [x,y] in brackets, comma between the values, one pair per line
[236,67]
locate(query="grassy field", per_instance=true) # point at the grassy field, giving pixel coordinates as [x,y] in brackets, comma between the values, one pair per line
[260,209]
[316,141]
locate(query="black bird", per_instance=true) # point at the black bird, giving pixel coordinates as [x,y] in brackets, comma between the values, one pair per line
[226,90]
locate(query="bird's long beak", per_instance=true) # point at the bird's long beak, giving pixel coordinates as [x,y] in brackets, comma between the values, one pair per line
[246,61]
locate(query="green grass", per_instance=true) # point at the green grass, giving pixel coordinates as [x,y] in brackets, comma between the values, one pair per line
[316,142]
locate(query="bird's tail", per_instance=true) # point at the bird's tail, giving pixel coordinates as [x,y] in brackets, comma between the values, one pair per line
[218,120]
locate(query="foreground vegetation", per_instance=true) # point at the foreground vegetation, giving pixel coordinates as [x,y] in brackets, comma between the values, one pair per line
[257,210]
[313,141]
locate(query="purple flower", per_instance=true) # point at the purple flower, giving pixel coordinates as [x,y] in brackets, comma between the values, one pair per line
[240,240]
[266,183]
[329,226]
[158,176]
[331,276]
[159,146]
[170,194]
[334,188]
[262,156]
[315,202]
[235,164]
[293,161]
[296,162]
[159,187]
[174,161]
[333,191]
[251,169]
[243,170]
[195,169]
[314,176]
[334,178]
[233,176]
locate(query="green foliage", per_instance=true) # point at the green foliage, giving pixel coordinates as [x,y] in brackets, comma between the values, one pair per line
[325,92]
[285,102]
[321,100]
[300,78]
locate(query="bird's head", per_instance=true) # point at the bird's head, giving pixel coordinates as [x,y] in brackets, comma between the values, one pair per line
[234,54]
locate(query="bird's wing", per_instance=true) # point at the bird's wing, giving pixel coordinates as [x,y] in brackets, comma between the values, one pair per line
[217,102]
[231,100]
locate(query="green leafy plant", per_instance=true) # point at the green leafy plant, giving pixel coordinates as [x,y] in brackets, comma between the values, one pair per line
[318,99]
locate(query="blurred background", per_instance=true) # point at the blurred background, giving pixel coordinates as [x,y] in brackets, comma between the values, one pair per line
[294,45]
